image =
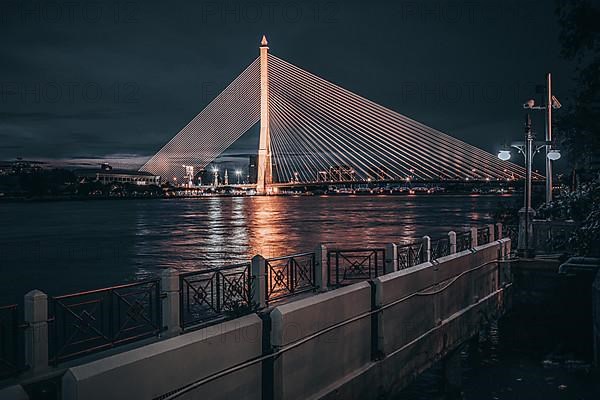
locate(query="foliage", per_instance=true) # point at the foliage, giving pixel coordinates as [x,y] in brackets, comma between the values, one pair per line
[46,182]
[41,183]
[579,126]
[583,207]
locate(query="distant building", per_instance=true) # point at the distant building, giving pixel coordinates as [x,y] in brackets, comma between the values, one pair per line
[253,169]
[206,177]
[107,174]
[19,166]
[199,179]
[188,179]
[6,168]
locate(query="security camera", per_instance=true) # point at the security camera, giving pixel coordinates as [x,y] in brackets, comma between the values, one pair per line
[530,104]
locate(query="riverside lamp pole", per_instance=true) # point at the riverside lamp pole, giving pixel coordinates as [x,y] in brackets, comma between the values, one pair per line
[529,148]
[552,103]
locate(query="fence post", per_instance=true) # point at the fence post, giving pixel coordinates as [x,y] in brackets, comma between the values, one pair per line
[321,267]
[259,283]
[36,333]
[498,230]
[391,258]
[426,249]
[452,242]
[473,237]
[169,287]
[491,229]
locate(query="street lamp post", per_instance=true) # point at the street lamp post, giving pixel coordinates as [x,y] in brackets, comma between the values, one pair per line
[528,149]
[551,103]
[238,173]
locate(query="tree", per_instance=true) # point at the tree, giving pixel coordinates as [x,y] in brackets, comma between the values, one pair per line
[579,35]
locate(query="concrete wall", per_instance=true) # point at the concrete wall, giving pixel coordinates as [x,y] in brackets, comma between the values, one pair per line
[415,330]
[159,368]
[15,392]
[408,319]
[311,368]
[366,340]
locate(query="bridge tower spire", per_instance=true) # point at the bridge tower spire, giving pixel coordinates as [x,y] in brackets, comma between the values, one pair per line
[265,173]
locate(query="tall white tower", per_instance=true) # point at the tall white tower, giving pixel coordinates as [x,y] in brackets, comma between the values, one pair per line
[265,176]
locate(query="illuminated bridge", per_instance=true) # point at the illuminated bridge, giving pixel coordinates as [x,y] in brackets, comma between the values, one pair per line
[312,130]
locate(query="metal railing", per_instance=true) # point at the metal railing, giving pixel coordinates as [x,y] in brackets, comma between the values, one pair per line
[410,255]
[9,341]
[483,235]
[345,267]
[88,322]
[463,241]
[215,295]
[289,275]
[550,236]
[440,247]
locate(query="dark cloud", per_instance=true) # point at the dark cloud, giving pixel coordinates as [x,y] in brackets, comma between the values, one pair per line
[49,116]
[105,77]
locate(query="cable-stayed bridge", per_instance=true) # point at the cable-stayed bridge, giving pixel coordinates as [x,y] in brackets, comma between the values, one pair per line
[312,130]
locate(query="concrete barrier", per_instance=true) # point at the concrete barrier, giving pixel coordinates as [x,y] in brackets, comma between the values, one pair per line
[152,371]
[15,392]
[325,361]
[425,313]
[413,315]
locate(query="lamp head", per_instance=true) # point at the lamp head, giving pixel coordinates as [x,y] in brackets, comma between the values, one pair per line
[504,155]
[530,104]
[553,154]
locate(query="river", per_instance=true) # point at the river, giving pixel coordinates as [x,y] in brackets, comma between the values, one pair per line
[69,246]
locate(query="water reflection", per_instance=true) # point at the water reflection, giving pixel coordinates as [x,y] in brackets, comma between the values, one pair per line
[68,246]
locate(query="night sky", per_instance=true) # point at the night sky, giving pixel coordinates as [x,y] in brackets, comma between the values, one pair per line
[116,80]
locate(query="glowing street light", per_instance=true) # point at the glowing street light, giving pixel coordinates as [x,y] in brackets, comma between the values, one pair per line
[528,149]
[553,154]
[504,155]
[238,173]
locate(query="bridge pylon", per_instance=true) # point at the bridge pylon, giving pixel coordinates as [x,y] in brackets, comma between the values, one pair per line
[265,172]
